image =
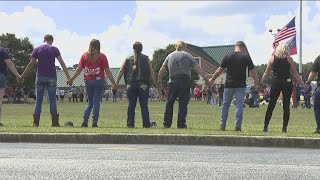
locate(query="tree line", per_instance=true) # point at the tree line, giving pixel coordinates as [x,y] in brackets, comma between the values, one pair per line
[20,50]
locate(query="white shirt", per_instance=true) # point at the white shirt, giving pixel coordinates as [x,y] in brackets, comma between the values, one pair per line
[62,92]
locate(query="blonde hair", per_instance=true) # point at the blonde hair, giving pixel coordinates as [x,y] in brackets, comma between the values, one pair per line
[282,51]
[180,45]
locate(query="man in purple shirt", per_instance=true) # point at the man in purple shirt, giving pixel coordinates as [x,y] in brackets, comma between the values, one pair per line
[5,62]
[44,56]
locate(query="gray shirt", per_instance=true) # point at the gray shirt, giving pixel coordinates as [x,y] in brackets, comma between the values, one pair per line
[179,63]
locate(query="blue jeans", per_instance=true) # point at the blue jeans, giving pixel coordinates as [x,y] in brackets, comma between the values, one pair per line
[209,99]
[178,88]
[50,84]
[94,90]
[317,107]
[134,91]
[228,95]
[3,81]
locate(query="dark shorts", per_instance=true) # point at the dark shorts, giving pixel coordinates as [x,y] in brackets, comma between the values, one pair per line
[61,96]
[3,81]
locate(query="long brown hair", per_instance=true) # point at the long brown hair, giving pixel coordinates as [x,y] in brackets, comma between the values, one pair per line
[94,49]
[137,48]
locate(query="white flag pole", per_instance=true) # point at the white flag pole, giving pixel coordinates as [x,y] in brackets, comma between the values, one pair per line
[300,46]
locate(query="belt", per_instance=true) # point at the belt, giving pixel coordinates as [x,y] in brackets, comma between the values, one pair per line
[180,76]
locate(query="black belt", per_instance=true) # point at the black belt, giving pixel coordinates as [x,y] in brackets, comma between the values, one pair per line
[180,76]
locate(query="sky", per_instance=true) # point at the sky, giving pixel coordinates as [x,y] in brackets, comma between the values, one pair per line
[118,24]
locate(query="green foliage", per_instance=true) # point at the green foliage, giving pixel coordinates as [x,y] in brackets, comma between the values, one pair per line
[20,52]
[158,58]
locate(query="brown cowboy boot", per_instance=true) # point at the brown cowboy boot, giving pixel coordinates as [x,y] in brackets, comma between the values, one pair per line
[55,120]
[36,119]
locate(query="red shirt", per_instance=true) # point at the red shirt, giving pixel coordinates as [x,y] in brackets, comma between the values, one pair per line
[94,69]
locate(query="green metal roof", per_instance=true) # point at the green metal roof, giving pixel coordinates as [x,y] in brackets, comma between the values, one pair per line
[62,79]
[213,54]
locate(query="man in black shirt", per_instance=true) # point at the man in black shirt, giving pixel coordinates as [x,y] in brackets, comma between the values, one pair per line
[5,62]
[315,69]
[236,64]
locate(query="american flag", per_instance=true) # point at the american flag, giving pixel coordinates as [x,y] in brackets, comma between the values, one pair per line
[286,32]
[292,45]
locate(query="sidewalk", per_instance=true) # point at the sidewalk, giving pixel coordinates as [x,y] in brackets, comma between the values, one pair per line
[214,140]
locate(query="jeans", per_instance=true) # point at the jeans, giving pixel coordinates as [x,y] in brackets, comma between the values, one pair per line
[178,88]
[114,97]
[134,91]
[3,81]
[274,94]
[209,99]
[74,96]
[307,101]
[220,98]
[50,84]
[228,95]
[81,97]
[107,97]
[94,89]
[317,107]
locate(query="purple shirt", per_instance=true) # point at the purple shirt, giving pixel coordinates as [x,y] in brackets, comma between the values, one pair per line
[46,55]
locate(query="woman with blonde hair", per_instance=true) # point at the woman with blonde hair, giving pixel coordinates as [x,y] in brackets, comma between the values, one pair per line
[95,65]
[283,67]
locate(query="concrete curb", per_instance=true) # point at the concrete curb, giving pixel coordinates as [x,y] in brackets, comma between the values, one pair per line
[215,140]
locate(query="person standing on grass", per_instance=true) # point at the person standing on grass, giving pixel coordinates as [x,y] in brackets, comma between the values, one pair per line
[220,91]
[81,93]
[137,70]
[95,66]
[179,64]
[44,56]
[236,64]
[57,94]
[315,69]
[283,67]
[114,95]
[74,91]
[5,62]
[62,94]
[307,96]
[107,94]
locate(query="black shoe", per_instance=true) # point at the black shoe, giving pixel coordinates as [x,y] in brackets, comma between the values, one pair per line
[153,123]
[284,130]
[222,128]
[184,126]
[237,129]
[94,125]
[130,126]
[1,124]
[317,131]
[84,125]
[167,127]
[265,129]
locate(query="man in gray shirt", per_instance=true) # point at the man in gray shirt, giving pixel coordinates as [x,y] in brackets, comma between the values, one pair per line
[179,64]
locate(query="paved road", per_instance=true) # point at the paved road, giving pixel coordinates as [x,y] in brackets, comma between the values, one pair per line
[83,161]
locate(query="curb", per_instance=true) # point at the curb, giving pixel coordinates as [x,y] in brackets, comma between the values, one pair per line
[214,140]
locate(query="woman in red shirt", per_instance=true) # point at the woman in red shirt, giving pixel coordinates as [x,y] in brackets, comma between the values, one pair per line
[95,65]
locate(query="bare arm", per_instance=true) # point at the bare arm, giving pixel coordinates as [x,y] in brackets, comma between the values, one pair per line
[294,71]
[64,67]
[199,70]
[162,71]
[312,74]
[268,70]
[254,75]
[121,71]
[12,67]
[216,74]
[153,74]
[109,74]
[29,67]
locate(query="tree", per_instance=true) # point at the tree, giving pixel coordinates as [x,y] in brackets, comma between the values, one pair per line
[20,52]
[158,58]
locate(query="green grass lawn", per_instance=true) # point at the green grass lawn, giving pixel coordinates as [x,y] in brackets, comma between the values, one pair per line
[201,120]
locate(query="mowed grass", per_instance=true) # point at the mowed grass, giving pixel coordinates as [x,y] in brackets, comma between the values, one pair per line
[201,120]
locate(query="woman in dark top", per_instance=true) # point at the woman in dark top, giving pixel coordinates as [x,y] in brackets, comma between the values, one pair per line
[137,71]
[283,67]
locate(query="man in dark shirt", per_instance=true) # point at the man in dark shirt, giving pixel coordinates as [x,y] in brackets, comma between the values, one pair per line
[236,64]
[5,62]
[315,69]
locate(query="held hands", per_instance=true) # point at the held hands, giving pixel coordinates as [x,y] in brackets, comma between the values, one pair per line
[20,79]
[70,82]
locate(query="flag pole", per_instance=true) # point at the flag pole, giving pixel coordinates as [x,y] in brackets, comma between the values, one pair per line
[300,46]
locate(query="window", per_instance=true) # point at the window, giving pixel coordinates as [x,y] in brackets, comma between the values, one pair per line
[198,60]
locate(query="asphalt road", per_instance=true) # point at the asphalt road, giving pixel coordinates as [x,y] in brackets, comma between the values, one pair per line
[104,161]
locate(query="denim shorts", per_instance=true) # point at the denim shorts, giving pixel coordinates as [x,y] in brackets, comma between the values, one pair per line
[3,81]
